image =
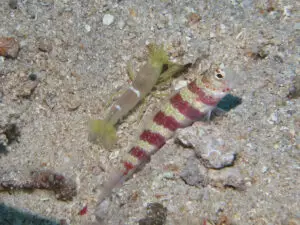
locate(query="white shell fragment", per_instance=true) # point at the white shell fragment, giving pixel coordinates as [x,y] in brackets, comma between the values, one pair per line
[108,19]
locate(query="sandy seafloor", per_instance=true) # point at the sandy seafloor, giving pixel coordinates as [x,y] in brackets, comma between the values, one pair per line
[84,63]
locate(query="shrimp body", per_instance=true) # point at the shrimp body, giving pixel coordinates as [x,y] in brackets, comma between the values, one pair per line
[103,131]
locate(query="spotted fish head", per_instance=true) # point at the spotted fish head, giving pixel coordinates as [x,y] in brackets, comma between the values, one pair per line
[217,82]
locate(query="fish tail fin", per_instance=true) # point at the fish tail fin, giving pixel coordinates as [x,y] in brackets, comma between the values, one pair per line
[102,132]
[158,57]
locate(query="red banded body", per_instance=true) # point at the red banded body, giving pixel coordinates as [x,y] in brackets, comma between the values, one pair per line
[188,105]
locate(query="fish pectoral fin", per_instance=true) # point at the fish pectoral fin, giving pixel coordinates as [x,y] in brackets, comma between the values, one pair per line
[102,132]
[173,70]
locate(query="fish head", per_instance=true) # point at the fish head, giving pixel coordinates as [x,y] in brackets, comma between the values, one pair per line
[217,81]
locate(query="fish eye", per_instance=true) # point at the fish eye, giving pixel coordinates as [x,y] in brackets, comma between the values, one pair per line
[219,76]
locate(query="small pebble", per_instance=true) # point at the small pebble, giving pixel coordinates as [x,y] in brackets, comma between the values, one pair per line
[32,77]
[87,28]
[210,148]
[72,102]
[264,169]
[27,89]
[44,44]
[9,47]
[108,19]
[273,118]
[193,18]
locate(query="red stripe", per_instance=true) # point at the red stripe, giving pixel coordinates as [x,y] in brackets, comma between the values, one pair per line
[208,100]
[128,166]
[168,122]
[139,153]
[185,108]
[153,138]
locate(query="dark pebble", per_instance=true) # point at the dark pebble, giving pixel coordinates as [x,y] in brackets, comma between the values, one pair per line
[3,149]
[32,77]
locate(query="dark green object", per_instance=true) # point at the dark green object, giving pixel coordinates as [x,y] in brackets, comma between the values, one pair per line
[12,216]
[229,102]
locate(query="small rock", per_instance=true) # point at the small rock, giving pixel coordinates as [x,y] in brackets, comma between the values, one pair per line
[32,77]
[194,173]
[27,89]
[273,118]
[11,132]
[259,52]
[193,18]
[208,145]
[108,19]
[264,169]
[72,101]
[50,100]
[227,177]
[87,28]
[9,47]
[168,175]
[44,44]
[156,215]
[213,156]
[13,4]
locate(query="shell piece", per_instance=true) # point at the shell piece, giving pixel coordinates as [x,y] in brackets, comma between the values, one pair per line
[9,47]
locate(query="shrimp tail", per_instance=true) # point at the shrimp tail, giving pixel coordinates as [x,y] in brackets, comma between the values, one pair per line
[103,132]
